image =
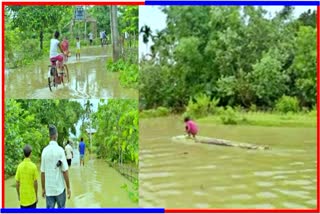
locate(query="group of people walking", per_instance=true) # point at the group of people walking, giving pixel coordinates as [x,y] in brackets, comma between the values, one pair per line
[103,38]
[55,183]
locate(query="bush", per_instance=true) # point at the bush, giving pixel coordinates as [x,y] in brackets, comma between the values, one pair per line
[201,106]
[286,104]
[313,112]
[158,112]
[129,76]
[253,108]
[120,65]
[229,116]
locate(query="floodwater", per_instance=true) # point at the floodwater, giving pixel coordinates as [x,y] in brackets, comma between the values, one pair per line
[88,79]
[96,185]
[190,175]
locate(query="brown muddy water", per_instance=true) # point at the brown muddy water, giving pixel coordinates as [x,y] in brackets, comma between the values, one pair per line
[88,79]
[190,175]
[96,185]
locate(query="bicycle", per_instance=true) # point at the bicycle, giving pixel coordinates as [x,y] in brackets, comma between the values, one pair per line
[55,78]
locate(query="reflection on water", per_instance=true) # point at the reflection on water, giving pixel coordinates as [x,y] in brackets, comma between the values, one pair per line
[95,185]
[174,174]
[88,79]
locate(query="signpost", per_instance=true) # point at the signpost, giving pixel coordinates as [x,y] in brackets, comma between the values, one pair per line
[79,13]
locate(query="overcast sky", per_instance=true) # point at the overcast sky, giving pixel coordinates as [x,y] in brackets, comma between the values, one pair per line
[156,20]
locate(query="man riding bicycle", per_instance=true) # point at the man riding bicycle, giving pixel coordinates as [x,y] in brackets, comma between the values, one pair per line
[54,55]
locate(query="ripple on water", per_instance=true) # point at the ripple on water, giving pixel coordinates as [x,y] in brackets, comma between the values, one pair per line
[220,188]
[265,184]
[206,167]
[279,177]
[292,205]
[201,205]
[266,195]
[297,163]
[298,182]
[241,197]
[241,186]
[298,194]
[237,176]
[313,187]
[155,175]
[269,206]
[279,172]
[224,157]
[199,193]
[166,193]
[312,202]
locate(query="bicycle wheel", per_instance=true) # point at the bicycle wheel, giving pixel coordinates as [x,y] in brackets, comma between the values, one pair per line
[66,73]
[55,74]
[49,83]
[51,78]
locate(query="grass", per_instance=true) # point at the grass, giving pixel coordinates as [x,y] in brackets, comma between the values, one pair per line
[268,119]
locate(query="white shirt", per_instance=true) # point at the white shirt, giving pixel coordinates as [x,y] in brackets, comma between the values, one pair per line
[54,47]
[78,45]
[101,34]
[69,151]
[90,36]
[54,180]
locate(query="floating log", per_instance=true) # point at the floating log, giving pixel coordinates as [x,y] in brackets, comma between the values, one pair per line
[219,142]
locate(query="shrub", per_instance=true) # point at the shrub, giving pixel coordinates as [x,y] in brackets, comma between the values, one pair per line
[158,112]
[214,109]
[115,66]
[253,108]
[286,104]
[129,76]
[229,116]
[201,106]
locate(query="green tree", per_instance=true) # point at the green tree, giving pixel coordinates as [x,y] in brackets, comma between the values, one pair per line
[239,55]
[117,136]
[304,66]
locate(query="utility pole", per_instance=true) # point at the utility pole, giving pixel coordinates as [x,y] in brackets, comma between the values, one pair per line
[114,33]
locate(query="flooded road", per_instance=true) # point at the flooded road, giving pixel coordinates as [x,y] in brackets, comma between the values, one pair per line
[96,185]
[88,79]
[179,175]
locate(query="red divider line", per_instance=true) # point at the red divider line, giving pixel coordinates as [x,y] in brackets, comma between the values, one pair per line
[74,3]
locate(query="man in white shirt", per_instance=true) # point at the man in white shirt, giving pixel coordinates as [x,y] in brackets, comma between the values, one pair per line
[69,152]
[101,38]
[54,172]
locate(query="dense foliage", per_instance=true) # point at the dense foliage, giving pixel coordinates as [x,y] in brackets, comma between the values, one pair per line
[23,26]
[237,55]
[26,122]
[117,134]
[127,65]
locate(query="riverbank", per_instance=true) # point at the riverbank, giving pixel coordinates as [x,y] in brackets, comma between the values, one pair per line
[269,119]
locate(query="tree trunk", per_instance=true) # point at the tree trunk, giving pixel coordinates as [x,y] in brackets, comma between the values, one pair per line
[41,40]
[114,33]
